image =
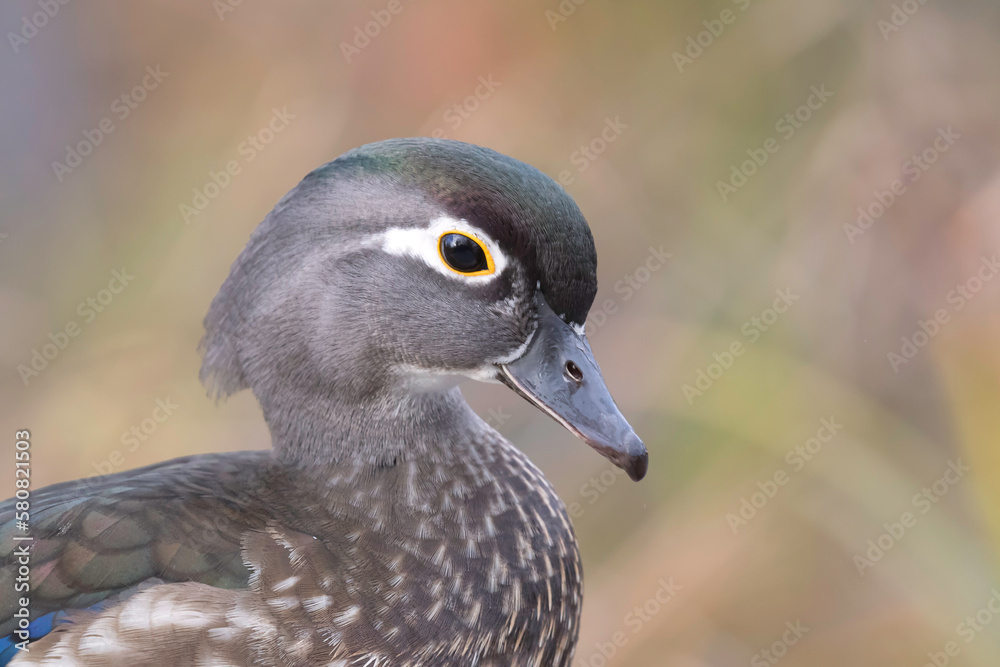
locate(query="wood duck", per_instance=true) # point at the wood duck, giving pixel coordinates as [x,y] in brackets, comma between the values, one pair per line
[389,524]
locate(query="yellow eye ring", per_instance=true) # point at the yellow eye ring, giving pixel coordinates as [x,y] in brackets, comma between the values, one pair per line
[465,254]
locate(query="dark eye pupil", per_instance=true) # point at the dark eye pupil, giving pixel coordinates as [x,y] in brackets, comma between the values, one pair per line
[463,254]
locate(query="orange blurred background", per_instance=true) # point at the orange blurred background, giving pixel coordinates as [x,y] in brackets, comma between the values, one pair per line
[818,385]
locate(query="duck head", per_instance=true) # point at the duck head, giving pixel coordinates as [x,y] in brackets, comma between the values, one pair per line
[397,269]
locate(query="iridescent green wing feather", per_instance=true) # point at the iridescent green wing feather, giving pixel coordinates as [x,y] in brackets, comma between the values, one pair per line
[182,520]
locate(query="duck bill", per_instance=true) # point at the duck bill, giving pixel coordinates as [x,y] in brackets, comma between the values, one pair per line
[559,375]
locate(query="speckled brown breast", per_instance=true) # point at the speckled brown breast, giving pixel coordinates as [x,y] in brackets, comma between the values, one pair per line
[470,562]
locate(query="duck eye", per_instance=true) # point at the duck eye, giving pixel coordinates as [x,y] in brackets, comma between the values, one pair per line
[465,254]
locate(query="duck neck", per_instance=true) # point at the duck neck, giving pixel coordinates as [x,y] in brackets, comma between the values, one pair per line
[382,429]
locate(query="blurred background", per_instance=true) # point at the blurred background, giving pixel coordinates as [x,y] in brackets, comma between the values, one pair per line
[797,213]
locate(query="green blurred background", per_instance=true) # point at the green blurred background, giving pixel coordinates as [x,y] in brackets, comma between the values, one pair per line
[642,124]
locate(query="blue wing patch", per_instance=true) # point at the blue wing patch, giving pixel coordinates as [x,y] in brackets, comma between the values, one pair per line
[37,629]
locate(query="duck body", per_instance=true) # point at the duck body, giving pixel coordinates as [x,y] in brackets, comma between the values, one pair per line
[389,525]
[416,564]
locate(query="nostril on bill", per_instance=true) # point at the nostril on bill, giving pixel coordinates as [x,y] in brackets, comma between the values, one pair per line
[573,372]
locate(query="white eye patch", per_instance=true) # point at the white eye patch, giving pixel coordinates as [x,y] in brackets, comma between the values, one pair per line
[423,243]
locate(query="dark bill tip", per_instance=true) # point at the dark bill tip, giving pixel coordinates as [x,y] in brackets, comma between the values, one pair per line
[631,455]
[640,465]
